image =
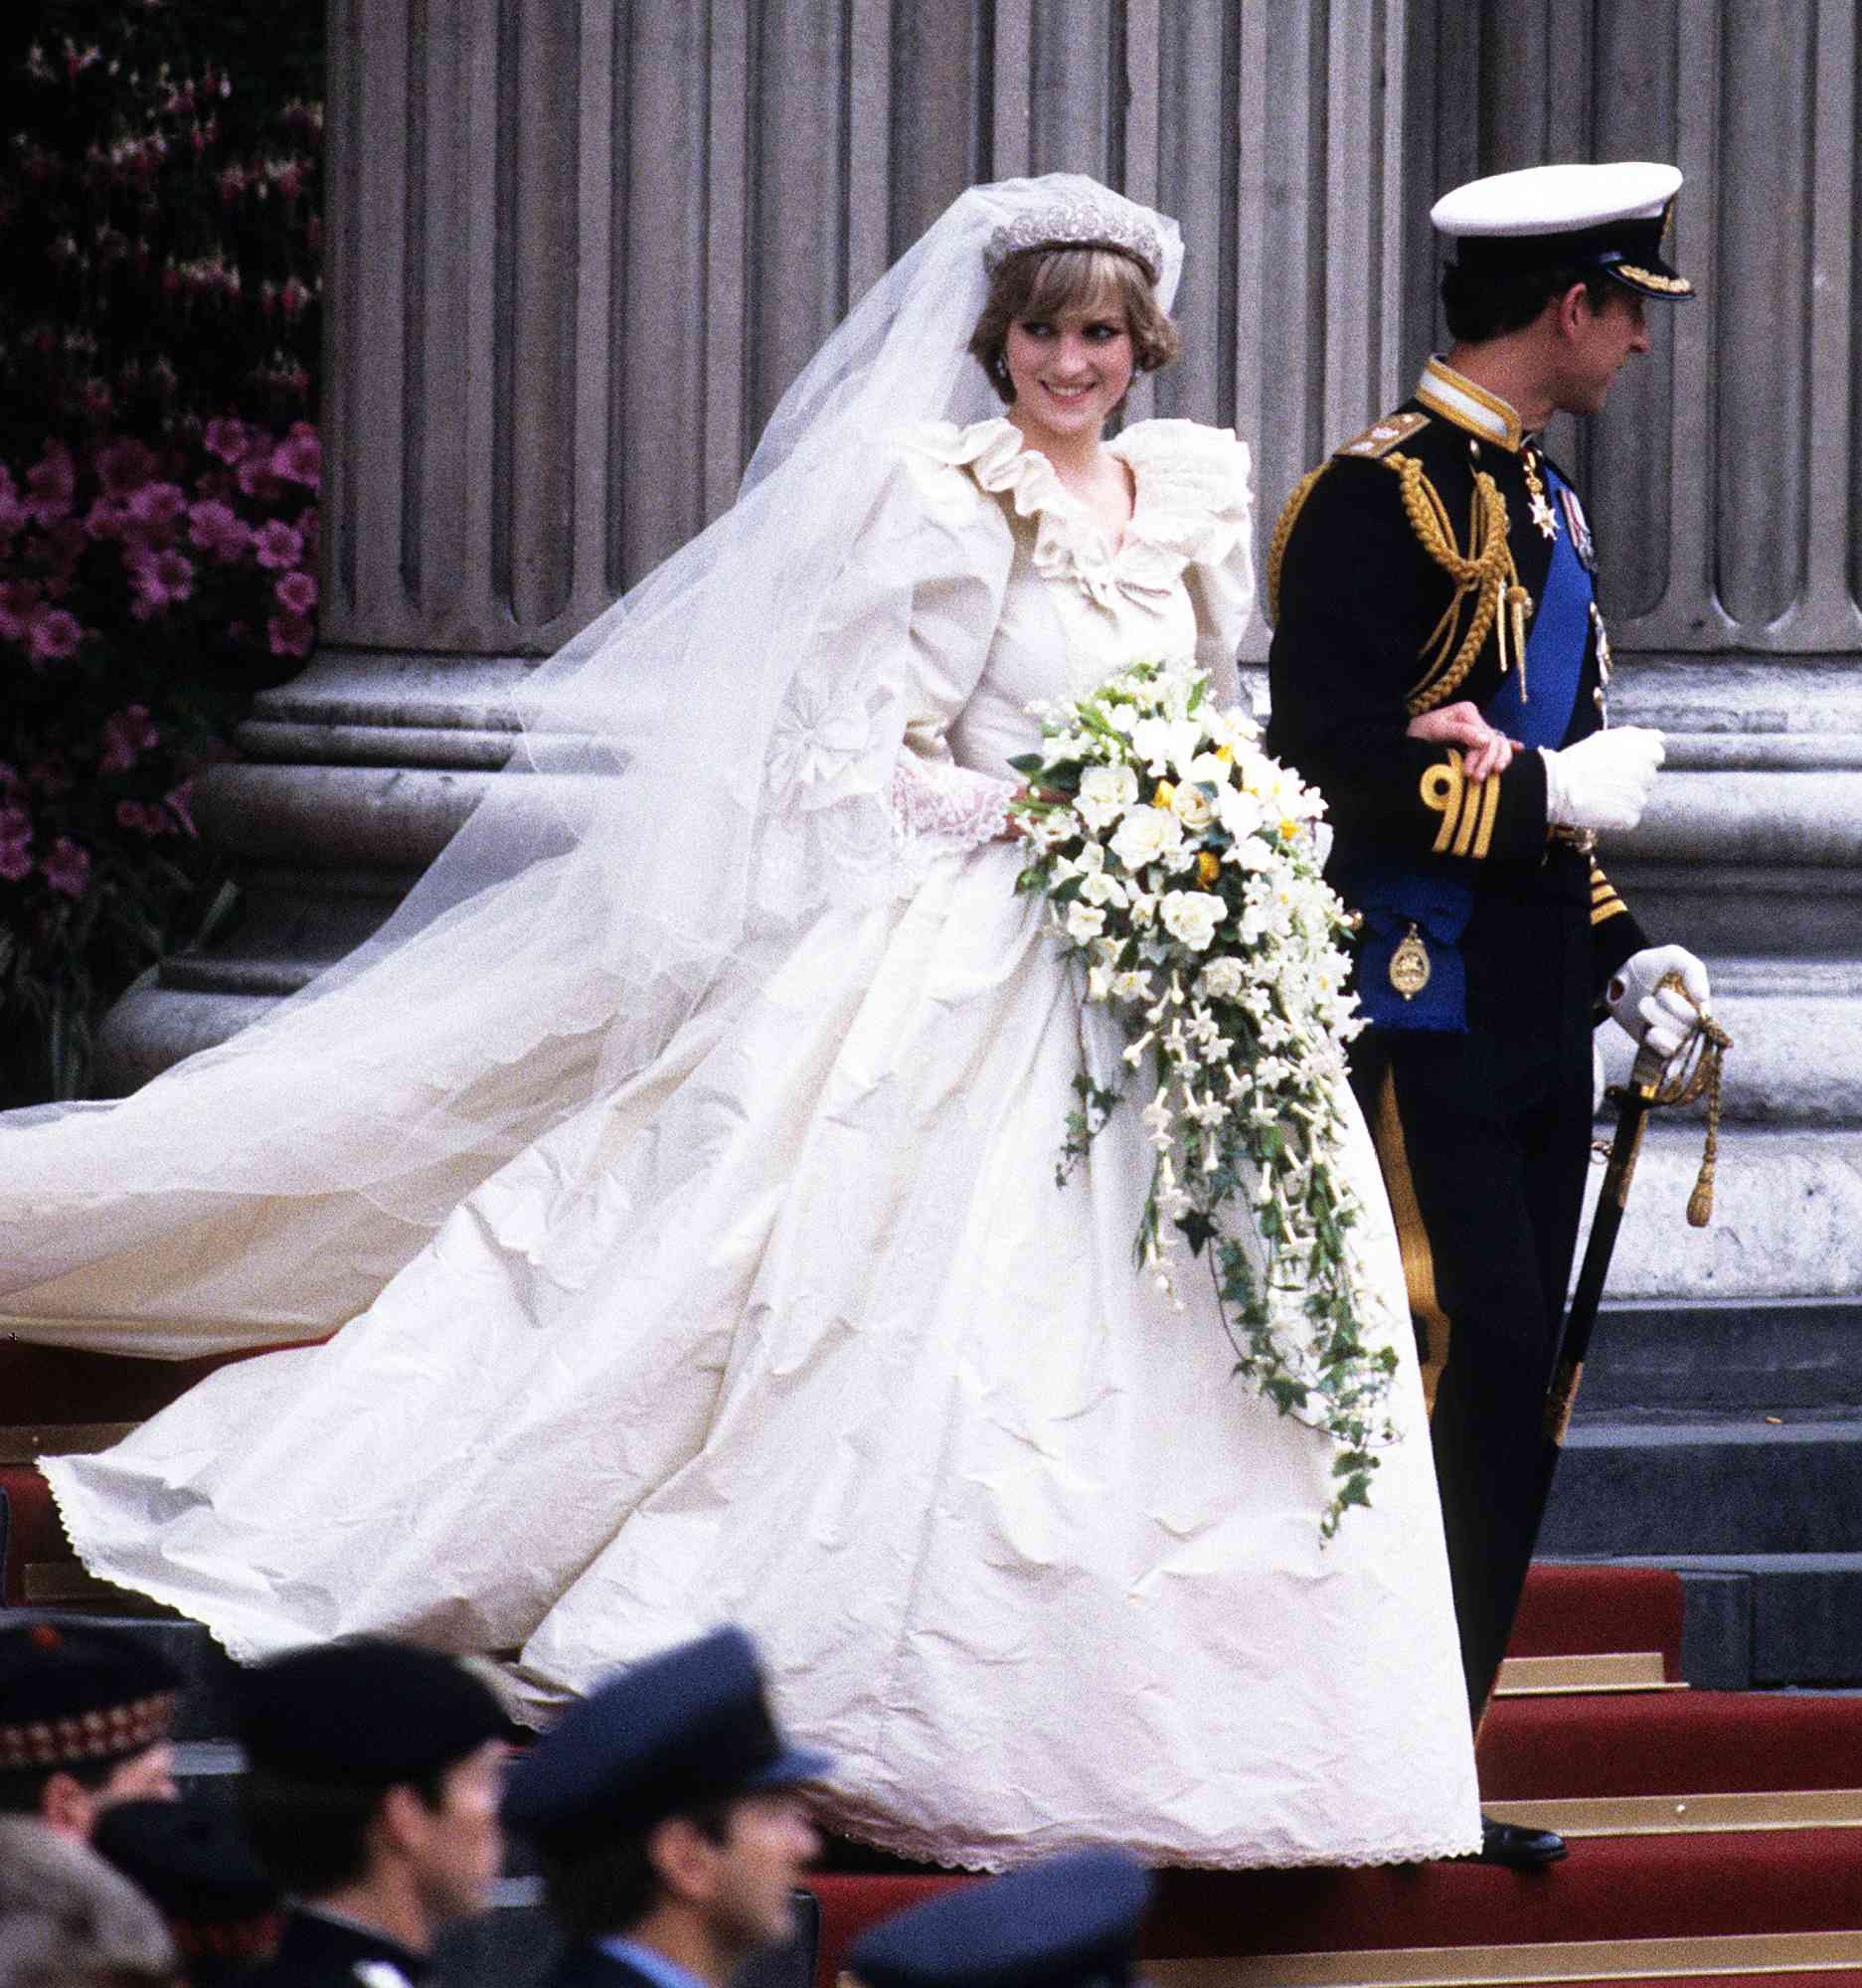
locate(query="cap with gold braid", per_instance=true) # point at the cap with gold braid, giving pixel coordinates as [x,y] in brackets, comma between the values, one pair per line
[1612,218]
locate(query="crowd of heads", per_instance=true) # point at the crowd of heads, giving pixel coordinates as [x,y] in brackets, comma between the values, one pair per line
[668,1812]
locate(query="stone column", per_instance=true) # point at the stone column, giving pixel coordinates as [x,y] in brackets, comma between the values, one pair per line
[1723,480]
[579,247]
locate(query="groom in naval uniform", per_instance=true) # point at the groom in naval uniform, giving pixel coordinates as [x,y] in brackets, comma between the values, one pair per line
[1440,670]
[671,1819]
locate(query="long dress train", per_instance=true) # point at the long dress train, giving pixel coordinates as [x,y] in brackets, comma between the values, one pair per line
[795,1327]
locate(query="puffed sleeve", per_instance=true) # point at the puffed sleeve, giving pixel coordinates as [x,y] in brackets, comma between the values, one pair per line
[902,642]
[1199,517]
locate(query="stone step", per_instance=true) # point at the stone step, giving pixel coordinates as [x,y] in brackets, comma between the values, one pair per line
[1629,1489]
[1768,1619]
[1737,1358]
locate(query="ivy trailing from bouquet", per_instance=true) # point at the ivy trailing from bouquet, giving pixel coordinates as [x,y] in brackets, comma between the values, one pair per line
[1181,867]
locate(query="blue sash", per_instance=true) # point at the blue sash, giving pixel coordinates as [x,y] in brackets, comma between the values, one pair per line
[1532,705]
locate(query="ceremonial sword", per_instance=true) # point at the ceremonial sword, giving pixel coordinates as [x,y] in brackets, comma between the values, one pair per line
[1651,1085]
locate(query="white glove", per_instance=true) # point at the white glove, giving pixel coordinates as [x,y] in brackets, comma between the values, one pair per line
[1603,781]
[1658,1017]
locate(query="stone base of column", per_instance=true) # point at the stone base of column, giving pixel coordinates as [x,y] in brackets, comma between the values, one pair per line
[1751,855]
[354,777]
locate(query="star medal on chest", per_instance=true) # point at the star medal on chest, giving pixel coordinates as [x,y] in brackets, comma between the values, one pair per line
[1579,528]
[1541,513]
[1408,965]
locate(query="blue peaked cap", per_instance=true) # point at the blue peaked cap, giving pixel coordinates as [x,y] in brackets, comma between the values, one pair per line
[687,1726]
[1070,1921]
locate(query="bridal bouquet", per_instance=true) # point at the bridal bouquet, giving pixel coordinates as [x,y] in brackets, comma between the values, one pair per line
[1180,866]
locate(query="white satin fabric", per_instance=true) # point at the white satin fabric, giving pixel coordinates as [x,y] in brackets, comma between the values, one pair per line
[795,1327]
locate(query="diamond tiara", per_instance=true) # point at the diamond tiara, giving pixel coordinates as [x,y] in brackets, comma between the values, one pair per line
[1079,223]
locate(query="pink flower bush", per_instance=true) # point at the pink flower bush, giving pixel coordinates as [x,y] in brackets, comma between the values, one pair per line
[16,844]
[292,634]
[128,734]
[299,458]
[159,580]
[278,546]
[67,868]
[159,471]
[228,439]
[219,531]
[52,635]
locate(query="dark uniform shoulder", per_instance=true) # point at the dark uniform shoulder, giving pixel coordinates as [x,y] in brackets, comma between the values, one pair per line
[1347,495]
[1391,432]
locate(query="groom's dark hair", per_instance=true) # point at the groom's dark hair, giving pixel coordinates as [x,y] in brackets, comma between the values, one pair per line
[1481,307]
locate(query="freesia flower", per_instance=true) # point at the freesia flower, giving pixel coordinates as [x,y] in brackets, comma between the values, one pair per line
[1084,923]
[67,868]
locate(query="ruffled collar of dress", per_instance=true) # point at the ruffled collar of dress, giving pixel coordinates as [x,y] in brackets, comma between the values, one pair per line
[1190,502]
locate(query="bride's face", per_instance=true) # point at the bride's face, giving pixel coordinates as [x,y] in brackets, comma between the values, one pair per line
[1070,370]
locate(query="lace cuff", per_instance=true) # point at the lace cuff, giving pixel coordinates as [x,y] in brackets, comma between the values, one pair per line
[938,806]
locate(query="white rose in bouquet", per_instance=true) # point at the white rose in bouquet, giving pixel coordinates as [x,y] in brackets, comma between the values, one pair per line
[1147,835]
[1104,794]
[1191,917]
[1192,808]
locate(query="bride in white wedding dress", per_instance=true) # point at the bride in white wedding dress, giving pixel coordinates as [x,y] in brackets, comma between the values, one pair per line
[679,1169]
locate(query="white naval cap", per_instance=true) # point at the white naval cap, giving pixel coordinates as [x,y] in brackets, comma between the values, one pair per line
[1608,216]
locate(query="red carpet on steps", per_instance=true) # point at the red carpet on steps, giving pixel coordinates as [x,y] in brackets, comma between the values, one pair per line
[1570,1611]
[1613,1888]
[1670,1743]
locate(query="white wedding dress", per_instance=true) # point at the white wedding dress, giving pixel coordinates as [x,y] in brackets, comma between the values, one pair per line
[795,1328]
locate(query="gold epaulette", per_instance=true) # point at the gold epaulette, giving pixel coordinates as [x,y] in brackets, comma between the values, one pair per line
[1382,437]
[1375,442]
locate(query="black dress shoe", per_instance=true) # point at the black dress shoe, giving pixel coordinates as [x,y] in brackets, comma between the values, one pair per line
[1517,1847]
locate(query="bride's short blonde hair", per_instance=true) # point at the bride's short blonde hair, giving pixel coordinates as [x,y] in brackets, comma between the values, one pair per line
[1045,282]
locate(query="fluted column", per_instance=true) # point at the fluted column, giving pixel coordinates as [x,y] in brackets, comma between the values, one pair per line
[576,249]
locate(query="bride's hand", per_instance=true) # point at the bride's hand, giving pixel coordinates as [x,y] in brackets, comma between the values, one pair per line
[1017,828]
[1487,751]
